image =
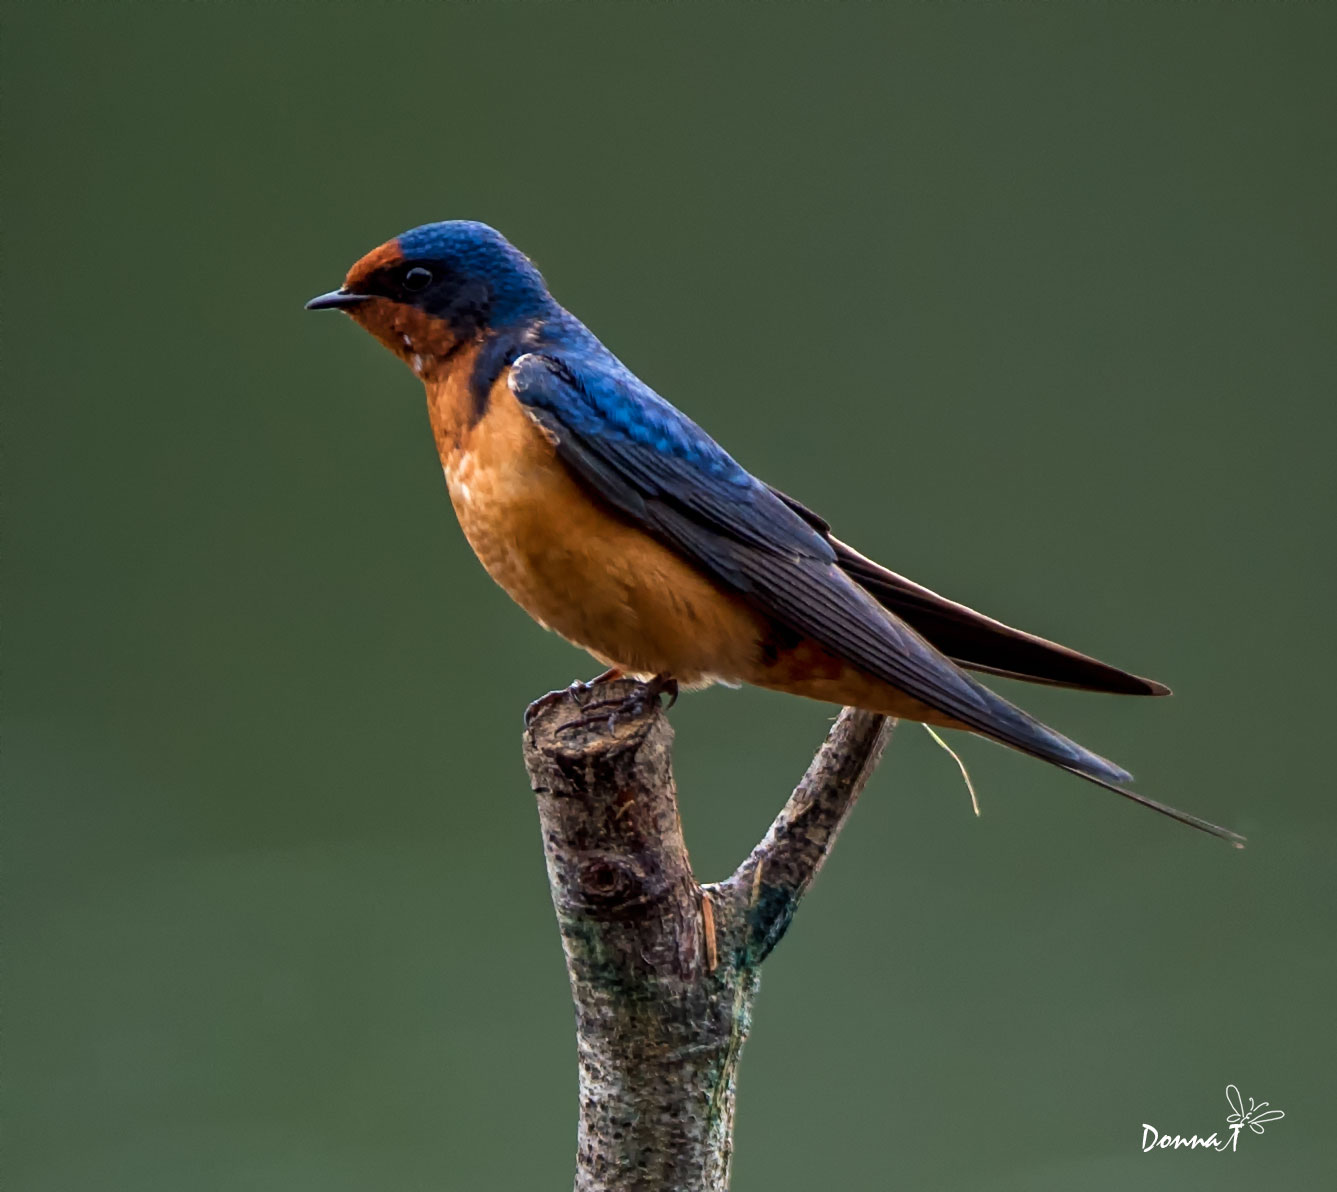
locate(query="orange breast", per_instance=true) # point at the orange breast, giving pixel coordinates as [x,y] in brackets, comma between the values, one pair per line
[571,564]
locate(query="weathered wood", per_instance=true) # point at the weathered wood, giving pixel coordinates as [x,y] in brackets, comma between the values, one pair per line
[664,971]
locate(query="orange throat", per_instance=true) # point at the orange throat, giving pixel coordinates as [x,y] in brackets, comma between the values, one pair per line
[426,344]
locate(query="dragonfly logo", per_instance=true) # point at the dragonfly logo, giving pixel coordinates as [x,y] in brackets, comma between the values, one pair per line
[1254,1117]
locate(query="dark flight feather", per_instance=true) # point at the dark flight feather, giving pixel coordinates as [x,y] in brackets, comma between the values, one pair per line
[969,638]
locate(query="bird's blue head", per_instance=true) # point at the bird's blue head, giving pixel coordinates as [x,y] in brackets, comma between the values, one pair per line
[438,285]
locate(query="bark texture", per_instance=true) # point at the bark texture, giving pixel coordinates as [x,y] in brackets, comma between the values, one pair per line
[664,971]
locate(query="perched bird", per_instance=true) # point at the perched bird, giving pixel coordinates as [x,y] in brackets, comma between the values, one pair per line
[614,520]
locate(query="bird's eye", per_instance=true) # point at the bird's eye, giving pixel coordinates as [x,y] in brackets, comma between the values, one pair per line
[417,279]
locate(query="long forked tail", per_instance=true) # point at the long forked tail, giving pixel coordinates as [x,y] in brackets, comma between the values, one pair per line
[1017,729]
[1041,741]
[1174,813]
[921,644]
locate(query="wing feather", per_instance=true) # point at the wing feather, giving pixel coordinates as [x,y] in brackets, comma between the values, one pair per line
[969,638]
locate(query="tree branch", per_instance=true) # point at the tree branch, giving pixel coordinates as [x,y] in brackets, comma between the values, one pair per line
[663,971]
[778,872]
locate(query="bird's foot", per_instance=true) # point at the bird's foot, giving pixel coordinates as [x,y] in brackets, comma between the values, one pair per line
[664,685]
[575,691]
[641,700]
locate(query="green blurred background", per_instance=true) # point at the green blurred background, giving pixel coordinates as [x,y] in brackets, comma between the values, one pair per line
[1034,302]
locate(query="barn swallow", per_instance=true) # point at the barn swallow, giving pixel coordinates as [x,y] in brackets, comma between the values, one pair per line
[614,520]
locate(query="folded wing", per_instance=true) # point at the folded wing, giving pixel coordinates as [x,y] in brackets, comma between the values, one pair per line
[654,466]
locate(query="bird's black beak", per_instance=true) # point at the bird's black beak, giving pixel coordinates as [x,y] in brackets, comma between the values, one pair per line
[336,300]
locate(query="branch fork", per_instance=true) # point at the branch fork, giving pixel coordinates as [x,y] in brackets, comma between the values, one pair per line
[664,971]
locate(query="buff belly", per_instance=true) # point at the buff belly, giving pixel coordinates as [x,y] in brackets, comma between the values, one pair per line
[580,571]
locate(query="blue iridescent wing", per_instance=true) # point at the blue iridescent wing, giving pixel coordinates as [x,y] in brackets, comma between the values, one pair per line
[653,465]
